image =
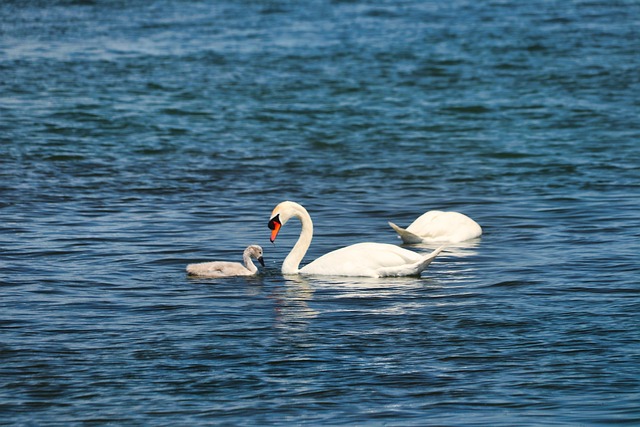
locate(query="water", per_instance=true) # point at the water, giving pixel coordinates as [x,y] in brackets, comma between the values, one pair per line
[138,137]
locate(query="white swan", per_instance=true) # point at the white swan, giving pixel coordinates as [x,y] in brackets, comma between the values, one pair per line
[229,269]
[439,226]
[362,259]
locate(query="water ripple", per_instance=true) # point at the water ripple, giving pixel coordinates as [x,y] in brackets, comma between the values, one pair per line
[139,138]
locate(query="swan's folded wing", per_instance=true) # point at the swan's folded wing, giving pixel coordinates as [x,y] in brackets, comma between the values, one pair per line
[347,261]
[363,259]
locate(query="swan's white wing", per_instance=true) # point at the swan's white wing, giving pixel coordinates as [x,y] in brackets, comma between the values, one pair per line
[362,259]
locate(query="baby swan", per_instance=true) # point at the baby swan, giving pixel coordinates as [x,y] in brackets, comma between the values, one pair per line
[229,269]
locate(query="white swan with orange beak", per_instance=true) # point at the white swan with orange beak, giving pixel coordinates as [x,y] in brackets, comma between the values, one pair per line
[362,259]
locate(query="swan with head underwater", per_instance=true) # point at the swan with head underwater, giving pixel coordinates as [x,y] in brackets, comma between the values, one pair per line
[362,259]
[229,269]
[439,227]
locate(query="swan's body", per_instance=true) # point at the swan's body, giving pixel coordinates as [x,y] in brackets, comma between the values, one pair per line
[439,226]
[362,259]
[229,269]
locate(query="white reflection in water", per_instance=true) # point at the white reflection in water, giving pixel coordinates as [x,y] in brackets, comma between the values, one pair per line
[292,304]
[460,249]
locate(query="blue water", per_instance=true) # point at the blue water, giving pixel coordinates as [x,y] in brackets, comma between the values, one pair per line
[137,137]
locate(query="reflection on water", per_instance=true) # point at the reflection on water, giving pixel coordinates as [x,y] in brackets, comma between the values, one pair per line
[292,299]
[460,249]
[295,307]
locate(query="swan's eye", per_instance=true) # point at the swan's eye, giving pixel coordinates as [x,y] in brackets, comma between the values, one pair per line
[275,220]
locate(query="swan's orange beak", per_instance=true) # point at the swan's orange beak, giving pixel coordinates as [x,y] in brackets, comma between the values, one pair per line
[274,226]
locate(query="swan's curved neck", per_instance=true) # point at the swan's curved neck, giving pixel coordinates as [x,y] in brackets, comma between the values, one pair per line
[248,263]
[292,261]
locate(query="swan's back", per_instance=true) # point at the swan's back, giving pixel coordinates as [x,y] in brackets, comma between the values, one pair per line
[218,269]
[367,259]
[439,226]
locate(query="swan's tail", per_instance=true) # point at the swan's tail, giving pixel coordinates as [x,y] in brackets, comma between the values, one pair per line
[424,263]
[410,269]
[406,236]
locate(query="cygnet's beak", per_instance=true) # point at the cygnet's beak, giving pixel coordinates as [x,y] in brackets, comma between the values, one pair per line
[274,226]
[261,261]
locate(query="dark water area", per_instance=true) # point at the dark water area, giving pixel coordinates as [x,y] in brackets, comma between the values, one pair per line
[138,137]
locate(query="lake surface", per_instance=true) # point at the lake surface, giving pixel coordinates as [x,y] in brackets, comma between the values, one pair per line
[137,137]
